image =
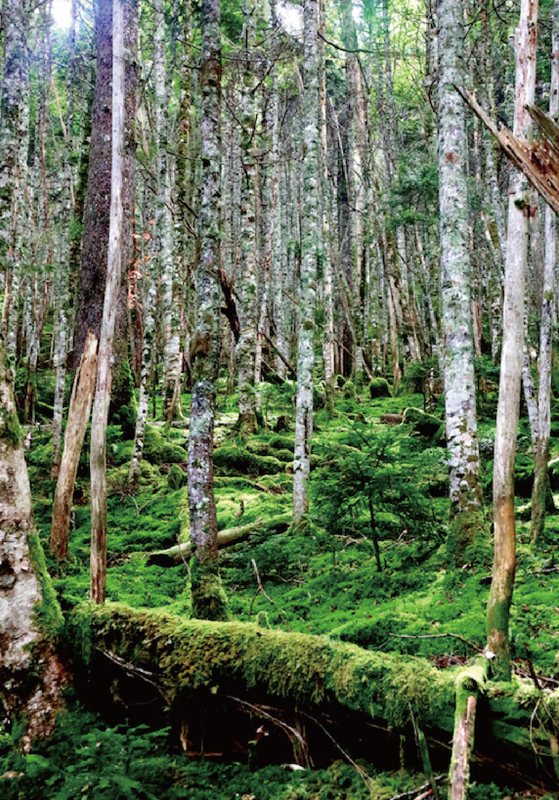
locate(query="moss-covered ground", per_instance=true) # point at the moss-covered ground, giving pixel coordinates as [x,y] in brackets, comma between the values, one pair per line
[368,568]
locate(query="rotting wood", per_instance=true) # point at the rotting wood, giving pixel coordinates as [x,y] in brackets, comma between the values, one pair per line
[174,556]
[539,160]
[468,686]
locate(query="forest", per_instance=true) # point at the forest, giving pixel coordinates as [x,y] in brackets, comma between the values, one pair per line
[279,389]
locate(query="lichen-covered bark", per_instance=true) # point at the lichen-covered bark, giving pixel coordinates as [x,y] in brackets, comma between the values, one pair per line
[504,562]
[208,600]
[100,413]
[30,618]
[248,288]
[14,138]
[460,397]
[309,256]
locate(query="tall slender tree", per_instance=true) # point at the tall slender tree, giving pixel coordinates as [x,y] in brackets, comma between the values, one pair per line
[504,562]
[460,396]
[208,599]
[102,399]
[310,223]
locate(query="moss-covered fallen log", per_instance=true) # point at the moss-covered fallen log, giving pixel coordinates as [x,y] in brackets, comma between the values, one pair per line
[184,659]
[181,552]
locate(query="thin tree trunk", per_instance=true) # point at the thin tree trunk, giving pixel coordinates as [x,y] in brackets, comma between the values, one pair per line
[114,272]
[541,449]
[208,599]
[504,563]
[309,257]
[78,419]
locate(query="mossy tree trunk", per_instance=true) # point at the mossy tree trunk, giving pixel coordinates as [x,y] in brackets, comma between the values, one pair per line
[541,449]
[460,396]
[208,599]
[102,399]
[504,563]
[309,257]
[31,676]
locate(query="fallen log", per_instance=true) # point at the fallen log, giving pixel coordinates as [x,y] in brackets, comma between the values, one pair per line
[196,666]
[181,552]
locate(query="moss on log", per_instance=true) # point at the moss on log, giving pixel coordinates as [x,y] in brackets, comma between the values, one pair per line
[235,656]
[185,660]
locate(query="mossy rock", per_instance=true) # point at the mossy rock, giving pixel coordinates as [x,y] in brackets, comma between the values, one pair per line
[379,387]
[232,459]
[426,425]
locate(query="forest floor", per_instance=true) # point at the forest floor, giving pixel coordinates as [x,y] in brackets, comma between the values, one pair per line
[369,568]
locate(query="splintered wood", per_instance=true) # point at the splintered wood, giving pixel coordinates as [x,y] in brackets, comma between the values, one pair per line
[539,160]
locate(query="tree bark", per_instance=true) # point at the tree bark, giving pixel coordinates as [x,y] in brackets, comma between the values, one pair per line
[208,598]
[31,676]
[460,396]
[102,399]
[504,563]
[76,426]
[541,448]
[309,257]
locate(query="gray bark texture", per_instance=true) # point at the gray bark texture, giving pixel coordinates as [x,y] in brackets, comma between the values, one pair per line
[460,397]
[100,413]
[504,562]
[208,600]
[30,617]
[309,257]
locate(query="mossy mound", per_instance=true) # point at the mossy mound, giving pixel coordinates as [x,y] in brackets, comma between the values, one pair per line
[233,459]
[426,425]
[157,450]
[379,387]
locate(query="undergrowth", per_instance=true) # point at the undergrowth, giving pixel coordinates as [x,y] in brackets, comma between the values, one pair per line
[369,569]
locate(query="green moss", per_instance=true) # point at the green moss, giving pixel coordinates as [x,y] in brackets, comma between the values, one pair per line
[426,425]
[48,613]
[232,458]
[309,670]
[10,429]
[176,478]
[209,601]
[349,391]
[379,387]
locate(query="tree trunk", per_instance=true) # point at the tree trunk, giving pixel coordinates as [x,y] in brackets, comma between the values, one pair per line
[309,257]
[460,397]
[31,676]
[541,449]
[78,418]
[504,563]
[110,309]
[208,599]
[248,285]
